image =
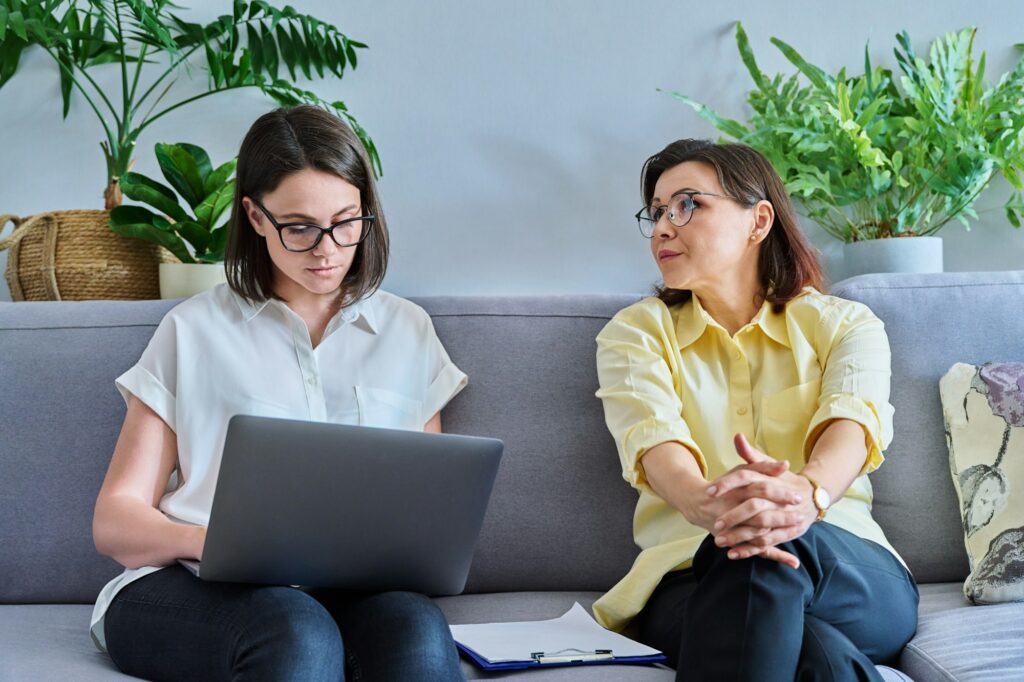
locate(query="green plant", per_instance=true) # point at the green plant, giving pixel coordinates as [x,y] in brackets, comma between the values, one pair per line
[82,35]
[207,191]
[875,156]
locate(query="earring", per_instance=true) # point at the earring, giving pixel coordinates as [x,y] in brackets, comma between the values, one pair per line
[753,237]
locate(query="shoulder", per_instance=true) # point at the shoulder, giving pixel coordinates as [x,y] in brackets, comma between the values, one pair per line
[394,314]
[647,317]
[218,304]
[825,316]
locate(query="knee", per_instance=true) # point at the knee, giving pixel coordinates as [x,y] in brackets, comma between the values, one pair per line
[291,634]
[423,628]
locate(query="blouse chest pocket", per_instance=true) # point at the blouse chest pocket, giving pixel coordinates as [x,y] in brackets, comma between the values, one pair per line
[387,409]
[785,416]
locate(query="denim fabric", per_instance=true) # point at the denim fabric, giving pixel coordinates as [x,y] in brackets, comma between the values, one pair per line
[172,626]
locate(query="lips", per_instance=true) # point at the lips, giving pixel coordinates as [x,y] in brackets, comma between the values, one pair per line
[665,254]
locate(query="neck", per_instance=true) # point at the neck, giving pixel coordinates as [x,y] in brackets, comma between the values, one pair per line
[731,306]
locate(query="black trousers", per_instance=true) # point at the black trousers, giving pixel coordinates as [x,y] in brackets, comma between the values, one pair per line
[850,605]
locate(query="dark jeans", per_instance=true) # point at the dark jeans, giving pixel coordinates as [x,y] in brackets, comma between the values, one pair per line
[170,625]
[850,605]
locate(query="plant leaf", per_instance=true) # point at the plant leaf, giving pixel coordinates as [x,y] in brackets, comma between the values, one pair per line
[139,223]
[140,188]
[201,158]
[219,176]
[214,205]
[181,171]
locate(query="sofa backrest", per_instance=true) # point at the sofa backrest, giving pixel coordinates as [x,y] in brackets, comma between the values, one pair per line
[933,321]
[561,515]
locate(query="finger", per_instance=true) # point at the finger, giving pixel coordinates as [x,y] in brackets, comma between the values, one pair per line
[739,514]
[746,475]
[776,518]
[770,553]
[740,535]
[777,536]
[747,451]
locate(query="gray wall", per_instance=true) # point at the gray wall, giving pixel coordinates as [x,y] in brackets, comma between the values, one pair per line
[512,133]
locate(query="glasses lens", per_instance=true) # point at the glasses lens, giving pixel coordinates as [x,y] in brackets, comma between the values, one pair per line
[303,238]
[299,238]
[680,209]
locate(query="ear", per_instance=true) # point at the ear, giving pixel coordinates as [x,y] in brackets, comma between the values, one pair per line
[764,218]
[254,214]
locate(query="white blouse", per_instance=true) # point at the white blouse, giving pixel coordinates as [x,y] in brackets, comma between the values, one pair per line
[379,363]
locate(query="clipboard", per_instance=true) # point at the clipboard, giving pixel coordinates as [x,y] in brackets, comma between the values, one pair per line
[570,640]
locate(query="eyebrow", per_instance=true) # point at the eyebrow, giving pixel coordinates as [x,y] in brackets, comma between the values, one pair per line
[303,216]
[677,193]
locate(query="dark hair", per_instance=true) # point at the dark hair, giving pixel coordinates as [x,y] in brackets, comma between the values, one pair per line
[787,262]
[285,141]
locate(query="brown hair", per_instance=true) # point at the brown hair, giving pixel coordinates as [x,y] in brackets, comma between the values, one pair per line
[787,262]
[285,141]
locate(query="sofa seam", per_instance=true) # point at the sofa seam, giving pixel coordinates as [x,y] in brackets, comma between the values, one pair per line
[83,326]
[935,286]
[911,647]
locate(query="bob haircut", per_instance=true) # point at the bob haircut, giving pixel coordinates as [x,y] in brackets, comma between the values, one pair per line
[285,141]
[787,262]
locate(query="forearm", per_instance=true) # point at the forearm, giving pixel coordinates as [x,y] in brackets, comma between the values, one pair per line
[838,457]
[136,534]
[673,474]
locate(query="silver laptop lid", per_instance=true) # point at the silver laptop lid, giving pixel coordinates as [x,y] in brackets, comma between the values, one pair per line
[353,507]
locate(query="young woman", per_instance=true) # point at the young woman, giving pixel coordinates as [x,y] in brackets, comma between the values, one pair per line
[747,408]
[300,331]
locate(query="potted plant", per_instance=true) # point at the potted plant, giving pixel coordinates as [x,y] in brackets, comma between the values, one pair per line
[249,48]
[878,156]
[191,231]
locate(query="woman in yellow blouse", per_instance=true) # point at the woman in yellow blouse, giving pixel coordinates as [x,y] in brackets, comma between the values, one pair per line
[747,406]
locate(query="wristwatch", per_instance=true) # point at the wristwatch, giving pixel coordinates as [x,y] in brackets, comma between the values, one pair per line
[822,500]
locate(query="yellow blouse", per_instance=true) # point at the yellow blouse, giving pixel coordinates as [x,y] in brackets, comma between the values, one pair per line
[676,375]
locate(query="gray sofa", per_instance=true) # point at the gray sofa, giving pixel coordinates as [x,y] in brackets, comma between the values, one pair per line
[559,524]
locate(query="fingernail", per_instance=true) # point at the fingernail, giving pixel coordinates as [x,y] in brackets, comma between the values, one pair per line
[796,499]
[719,525]
[712,490]
[734,555]
[720,541]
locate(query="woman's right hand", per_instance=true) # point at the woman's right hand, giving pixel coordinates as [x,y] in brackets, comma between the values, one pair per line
[673,474]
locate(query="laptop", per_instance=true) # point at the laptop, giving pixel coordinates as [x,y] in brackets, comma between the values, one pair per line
[350,507]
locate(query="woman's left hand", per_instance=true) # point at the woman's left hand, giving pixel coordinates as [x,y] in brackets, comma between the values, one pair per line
[743,528]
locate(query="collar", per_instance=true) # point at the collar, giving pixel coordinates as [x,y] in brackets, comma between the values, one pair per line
[360,311]
[694,320]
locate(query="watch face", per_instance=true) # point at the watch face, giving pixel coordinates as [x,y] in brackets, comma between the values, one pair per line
[822,499]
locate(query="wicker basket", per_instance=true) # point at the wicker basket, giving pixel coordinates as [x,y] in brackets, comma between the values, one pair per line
[74,256]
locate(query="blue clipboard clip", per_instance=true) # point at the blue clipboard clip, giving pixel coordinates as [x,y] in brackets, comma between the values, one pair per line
[572,656]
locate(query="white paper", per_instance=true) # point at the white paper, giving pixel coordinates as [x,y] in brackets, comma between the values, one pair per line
[575,632]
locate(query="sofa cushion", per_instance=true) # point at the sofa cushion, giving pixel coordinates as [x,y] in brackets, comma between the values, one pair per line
[957,641]
[59,419]
[50,643]
[560,516]
[933,321]
[984,411]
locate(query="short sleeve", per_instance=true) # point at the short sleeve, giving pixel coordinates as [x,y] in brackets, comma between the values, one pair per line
[855,379]
[445,379]
[641,406]
[153,379]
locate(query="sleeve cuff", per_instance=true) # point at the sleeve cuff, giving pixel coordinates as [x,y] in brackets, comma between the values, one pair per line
[863,412]
[446,386]
[644,436]
[139,382]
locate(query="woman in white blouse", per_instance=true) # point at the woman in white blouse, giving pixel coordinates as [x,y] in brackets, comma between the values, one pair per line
[300,331]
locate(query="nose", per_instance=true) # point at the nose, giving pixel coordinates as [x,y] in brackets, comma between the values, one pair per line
[326,246]
[664,229]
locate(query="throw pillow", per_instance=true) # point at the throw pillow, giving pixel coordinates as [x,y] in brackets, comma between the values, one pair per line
[983,407]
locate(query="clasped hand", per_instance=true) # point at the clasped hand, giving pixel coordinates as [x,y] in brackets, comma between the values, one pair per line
[756,506]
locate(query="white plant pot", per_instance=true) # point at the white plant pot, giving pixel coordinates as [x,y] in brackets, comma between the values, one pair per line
[181,280]
[896,254]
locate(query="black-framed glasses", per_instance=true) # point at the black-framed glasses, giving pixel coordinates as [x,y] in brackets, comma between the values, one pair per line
[300,237]
[679,210]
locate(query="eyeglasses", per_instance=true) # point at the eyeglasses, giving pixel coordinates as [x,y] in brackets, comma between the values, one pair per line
[305,237]
[679,208]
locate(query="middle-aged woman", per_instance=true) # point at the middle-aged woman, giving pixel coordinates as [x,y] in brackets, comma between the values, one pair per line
[748,408]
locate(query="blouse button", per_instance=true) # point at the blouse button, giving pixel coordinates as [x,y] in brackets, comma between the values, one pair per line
[312,381]
[741,411]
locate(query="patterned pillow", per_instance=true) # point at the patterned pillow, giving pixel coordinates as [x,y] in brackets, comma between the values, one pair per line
[984,413]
